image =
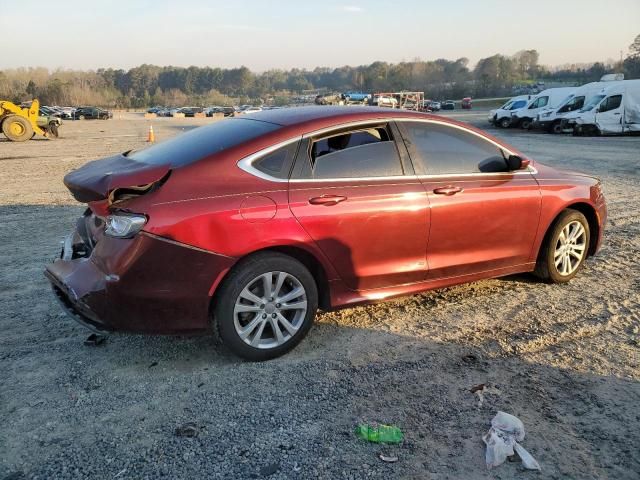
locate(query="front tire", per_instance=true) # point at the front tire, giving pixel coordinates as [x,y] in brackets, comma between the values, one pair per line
[565,249]
[17,128]
[265,306]
[504,122]
[525,123]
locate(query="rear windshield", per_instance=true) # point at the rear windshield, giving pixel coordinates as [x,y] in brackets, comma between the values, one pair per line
[201,142]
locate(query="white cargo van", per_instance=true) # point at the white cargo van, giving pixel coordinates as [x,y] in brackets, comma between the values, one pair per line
[550,98]
[551,119]
[614,110]
[501,117]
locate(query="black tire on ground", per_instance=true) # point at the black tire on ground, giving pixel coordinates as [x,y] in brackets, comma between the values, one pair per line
[53,128]
[17,128]
[545,266]
[242,275]
[525,123]
[556,127]
[504,122]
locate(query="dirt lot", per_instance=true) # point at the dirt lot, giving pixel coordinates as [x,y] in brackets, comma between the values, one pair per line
[564,359]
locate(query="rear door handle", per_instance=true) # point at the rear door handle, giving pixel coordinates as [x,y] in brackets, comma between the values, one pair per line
[448,190]
[327,200]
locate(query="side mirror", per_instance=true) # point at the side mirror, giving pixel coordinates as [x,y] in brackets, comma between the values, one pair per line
[515,162]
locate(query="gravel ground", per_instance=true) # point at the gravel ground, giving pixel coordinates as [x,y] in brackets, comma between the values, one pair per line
[564,359]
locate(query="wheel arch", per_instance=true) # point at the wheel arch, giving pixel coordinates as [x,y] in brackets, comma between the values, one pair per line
[308,259]
[592,218]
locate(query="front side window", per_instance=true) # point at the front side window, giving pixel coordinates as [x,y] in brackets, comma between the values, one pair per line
[440,149]
[575,103]
[365,152]
[610,103]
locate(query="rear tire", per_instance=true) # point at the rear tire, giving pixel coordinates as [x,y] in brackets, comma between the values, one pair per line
[251,321]
[17,128]
[562,256]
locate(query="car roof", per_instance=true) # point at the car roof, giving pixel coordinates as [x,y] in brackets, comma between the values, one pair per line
[330,115]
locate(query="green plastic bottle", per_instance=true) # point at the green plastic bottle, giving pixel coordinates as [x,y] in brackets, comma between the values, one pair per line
[379,434]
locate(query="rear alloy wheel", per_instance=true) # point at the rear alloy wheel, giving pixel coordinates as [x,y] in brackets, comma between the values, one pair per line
[266,306]
[566,248]
[17,128]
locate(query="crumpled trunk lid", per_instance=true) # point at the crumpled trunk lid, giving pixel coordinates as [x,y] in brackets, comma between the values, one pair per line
[97,179]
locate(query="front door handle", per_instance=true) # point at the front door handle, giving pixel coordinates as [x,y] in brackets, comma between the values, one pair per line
[448,190]
[327,200]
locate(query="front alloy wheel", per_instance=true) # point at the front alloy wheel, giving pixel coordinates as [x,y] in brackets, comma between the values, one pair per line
[265,306]
[570,248]
[565,249]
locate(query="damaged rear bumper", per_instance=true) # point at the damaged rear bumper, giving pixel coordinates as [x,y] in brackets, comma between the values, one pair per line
[146,284]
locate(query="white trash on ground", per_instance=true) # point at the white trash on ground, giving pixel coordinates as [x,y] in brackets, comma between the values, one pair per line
[502,439]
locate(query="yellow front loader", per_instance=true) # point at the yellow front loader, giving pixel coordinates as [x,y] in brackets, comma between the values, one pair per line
[20,124]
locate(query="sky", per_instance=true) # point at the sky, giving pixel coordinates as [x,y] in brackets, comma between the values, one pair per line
[266,34]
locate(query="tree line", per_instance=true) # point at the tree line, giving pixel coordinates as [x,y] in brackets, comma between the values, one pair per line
[147,85]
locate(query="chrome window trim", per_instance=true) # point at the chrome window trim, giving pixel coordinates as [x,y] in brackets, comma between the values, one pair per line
[246,163]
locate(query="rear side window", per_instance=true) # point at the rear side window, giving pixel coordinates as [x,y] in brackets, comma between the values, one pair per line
[201,142]
[366,152]
[611,103]
[440,149]
[278,164]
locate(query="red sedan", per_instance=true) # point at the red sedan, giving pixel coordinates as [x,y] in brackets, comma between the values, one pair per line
[247,226]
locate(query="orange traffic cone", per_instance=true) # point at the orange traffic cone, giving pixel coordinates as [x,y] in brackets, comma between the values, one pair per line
[151,138]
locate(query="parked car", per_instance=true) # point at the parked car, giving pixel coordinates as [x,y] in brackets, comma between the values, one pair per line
[249,226]
[466,103]
[501,117]
[435,106]
[360,97]
[384,101]
[550,98]
[449,105]
[91,113]
[252,110]
[191,111]
[68,113]
[614,110]
[329,99]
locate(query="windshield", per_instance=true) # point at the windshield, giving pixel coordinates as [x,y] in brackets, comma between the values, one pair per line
[593,101]
[518,104]
[506,105]
[202,142]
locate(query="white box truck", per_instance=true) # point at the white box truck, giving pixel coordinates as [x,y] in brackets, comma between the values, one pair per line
[550,98]
[501,117]
[551,119]
[615,110]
